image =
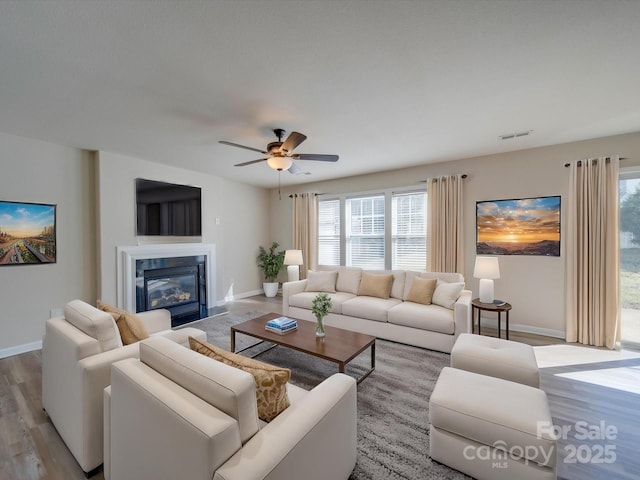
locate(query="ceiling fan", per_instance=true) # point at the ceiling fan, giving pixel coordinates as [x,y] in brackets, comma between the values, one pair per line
[280,156]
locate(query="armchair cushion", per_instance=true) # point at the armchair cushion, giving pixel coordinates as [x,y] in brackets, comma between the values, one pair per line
[129,325]
[271,382]
[95,323]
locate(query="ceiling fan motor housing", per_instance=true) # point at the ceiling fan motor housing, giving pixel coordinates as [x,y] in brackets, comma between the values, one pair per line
[274,148]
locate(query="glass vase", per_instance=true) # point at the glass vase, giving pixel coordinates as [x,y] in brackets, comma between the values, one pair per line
[319,326]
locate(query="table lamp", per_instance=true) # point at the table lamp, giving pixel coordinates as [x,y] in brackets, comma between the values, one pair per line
[293,260]
[486,269]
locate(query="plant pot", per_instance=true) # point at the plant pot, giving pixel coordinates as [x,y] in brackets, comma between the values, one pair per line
[270,289]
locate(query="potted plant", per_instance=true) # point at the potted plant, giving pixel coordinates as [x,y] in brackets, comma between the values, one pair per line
[320,308]
[271,263]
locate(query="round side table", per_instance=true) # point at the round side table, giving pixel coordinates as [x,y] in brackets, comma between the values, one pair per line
[476,304]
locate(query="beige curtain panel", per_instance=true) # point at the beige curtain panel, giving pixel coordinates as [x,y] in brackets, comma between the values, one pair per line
[445,252]
[305,229]
[593,253]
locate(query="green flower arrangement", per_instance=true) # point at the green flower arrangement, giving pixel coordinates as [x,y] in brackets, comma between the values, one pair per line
[320,308]
[321,305]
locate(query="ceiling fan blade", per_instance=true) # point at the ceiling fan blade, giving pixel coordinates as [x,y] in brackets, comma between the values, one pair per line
[295,170]
[313,156]
[231,144]
[251,162]
[293,140]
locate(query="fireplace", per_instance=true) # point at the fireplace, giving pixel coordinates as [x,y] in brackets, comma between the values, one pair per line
[176,277]
[178,284]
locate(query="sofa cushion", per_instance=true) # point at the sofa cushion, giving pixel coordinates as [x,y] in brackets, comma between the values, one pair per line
[422,290]
[94,322]
[348,277]
[375,285]
[423,317]
[226,388]
[271,382]
[371,308]
[321,281]
[397,287]
[129,324]
[305,299]
[446,294]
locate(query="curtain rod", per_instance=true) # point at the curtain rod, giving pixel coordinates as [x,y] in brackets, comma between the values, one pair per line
[296,194]
[464,175]
[580,161]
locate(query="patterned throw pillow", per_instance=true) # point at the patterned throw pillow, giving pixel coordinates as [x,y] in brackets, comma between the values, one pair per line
[130,326]
[271,382]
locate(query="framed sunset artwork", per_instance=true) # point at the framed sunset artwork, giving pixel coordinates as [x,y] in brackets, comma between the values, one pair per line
[525,226]
[27,233]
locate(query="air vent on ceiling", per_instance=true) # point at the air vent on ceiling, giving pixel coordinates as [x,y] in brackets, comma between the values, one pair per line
[510,136]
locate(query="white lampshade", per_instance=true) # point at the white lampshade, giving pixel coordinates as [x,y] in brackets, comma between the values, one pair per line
[279,163]
[293,257]
[486,269]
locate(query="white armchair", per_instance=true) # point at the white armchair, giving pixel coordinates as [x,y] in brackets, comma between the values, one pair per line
[77,352]
[178,414]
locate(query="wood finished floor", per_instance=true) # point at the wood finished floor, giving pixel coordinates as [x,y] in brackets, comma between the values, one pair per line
[609,392]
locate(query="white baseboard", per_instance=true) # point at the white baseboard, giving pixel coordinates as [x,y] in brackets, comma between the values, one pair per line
[515,327]
[18,349]
[238,296]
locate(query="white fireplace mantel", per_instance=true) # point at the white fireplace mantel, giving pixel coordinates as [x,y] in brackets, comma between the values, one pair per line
[126,269]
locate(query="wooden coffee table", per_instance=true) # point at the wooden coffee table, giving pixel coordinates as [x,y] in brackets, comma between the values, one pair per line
[338,345]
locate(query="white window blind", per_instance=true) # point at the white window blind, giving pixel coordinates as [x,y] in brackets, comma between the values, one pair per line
[329,232]
[409,246]
[365,232]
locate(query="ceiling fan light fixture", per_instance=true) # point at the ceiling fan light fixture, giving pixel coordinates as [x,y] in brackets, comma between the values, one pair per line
[280,163]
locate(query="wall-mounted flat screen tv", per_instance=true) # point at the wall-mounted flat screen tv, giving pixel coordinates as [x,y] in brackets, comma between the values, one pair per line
[27,233]
[168,209]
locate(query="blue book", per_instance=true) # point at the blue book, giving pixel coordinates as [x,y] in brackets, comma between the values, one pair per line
[282,322]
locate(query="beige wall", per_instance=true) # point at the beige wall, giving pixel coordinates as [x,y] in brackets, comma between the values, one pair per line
[535,286]
[40,172]
[242,211]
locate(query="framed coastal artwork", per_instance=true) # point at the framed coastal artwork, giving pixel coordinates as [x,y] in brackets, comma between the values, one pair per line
[525,226]
[27,233]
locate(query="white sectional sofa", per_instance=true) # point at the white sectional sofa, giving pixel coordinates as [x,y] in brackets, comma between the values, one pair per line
[394,318]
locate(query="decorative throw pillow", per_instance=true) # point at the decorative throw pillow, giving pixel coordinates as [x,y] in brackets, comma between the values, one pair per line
[373,285]
[422,290]
[271,382]
[321,282]
[130,326]
[446,294]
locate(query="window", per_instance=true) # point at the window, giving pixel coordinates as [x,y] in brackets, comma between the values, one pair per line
[329,232]
[409,246]
[377,231]
[365,232]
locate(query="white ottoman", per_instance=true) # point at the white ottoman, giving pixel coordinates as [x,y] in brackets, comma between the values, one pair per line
[488,427]
[496,357]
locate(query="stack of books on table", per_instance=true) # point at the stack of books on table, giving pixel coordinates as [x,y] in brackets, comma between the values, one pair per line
[281,325]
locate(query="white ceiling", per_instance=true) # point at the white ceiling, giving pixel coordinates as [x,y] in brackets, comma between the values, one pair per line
[384,84]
